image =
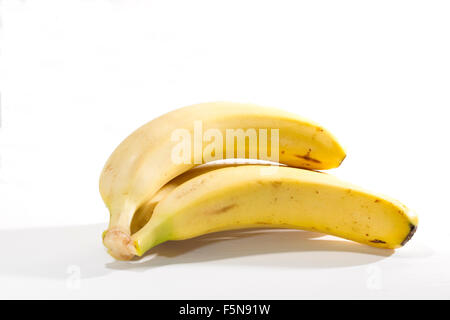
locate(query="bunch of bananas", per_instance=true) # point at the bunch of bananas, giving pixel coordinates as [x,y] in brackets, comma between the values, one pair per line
[156,188]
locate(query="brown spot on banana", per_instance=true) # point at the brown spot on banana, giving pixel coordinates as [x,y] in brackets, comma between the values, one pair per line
[223,209]
[307,157]
[276,184]
[377,241]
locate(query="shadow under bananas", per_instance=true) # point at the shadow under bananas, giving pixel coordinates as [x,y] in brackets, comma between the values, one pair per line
[52,252]
[260,247]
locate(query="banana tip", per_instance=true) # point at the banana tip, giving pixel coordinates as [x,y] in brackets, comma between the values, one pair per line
[119,243]
[412,230]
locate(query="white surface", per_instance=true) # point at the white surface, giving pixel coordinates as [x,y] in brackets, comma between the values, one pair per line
[77,77]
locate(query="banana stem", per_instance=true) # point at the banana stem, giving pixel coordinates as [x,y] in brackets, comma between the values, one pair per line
[119,244]
[117,238]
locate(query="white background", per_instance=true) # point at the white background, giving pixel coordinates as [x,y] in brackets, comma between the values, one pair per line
[78,76]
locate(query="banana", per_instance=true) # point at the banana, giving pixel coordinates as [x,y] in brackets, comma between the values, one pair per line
[240,197]
[145,212]
[143,162]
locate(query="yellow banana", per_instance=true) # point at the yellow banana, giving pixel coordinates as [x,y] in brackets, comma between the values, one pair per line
[241,197]
[143,162]
[144,213]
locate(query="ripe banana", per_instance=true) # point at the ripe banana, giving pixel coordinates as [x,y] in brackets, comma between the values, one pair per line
[240,197]
[142,163]
[145,211]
